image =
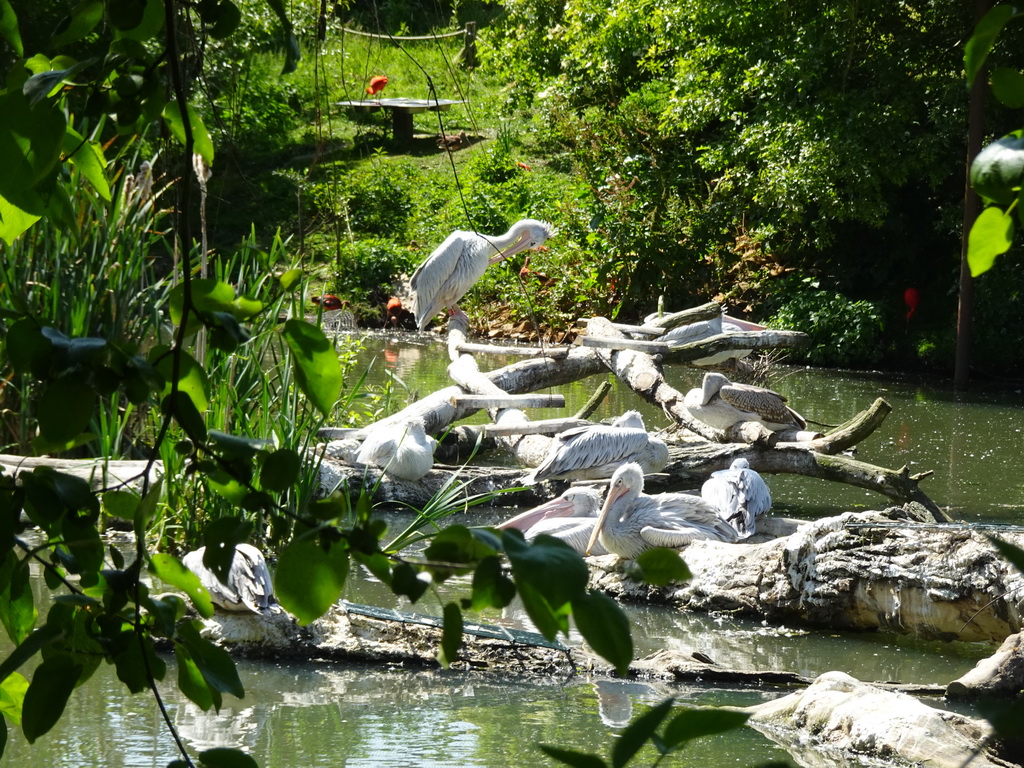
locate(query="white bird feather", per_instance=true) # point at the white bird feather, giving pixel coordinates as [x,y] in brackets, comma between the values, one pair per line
[740,494]
[249,586]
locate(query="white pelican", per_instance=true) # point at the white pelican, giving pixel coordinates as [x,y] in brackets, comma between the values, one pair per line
[740,495]
[569,517]
[705,329]
[720,403]
[597,450]
[248,588]
[461,260]
[403,450]
[632,522]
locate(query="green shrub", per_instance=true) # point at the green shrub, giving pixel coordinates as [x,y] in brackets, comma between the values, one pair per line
[366,270]
[843,332]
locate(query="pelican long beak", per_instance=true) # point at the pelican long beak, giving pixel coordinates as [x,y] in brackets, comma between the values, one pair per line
[558,507]
[613,494]
[522,243]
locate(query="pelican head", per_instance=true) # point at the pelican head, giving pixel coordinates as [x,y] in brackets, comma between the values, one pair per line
[627,483]
[523,235]
[711,386]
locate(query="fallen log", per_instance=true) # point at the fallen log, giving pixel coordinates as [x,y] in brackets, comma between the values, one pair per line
[933,582]
[1001,674]
[99,473]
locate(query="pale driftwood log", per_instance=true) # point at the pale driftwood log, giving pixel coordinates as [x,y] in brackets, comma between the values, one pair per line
[672,320]
[639,330]
[650,347]
[99,473]
[1001,674]
[838,719]
[933,582]
[554,353]
[508,401]
[736,340]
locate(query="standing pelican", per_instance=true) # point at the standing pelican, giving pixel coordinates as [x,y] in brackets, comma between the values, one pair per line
[740,495]
[461,260]
[597,450]
[720,403]
[569,517]
[632,522]
[248,588]
[402,450]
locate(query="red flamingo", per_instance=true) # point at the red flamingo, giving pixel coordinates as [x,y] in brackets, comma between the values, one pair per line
[377,84]
[911,298]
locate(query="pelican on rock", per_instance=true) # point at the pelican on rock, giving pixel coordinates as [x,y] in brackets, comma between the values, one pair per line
[248,588]
[721,403]
[740,495]
[631,522]
[569,517]
[402,450]
[461,260]
[597,450]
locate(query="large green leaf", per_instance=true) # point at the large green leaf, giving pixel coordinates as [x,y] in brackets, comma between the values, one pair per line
[30,146]
[225,757]
[984,37]
[638,733]
[605,627]
[46,634]
[451,635]
[47,694]
[573,758]
[191,682]
[280,470]
[9,27]
[12,695]
[661,566]
[192,379]
[17,606]
[169,569]
[220,538]
[491,587]
[998,171]
[65,409]
[309,580]
[201,144]
[1008,87]
[695,723]
[213,662]
[14,221]
[82,21]
[990,236]
[317,369]
[133,668]
[87,157]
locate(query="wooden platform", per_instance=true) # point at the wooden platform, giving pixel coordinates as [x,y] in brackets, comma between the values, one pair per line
[402,111]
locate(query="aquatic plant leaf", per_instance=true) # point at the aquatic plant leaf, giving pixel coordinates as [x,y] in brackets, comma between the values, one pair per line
[605,627]
[280,470]
[694,723]
[451,635]
[47,694]
[169,569]
[12,694]
[639,732]
[661,566]
[226,757]
[316,364]
[572,757]
[990,235]
[309,580]
[191,682]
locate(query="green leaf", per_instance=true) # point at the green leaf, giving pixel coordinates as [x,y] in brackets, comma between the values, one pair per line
[605,627]
[220,538]
[451,635]
[131,666]
[12,695]
[180,405]
[14,221]
[201,144]
[638,732]
[573,758]
[405,581]
[661,566]
[280,470]
[192,379]
[87,157]
[42,85]
[9,29]
[694,723]
[1008,87]
[170,570]
[46,634]
[289,279]
[984,37]
[549,565]
[998,171]
[191,682]
[47,695]
[1010,551]
[458,545]
[30,144]
[213,662]
[121,504]
[309,580]
[225,757]
[317,369]
[990,236]
[17,606]
[65,409]
[82,21]
[491,587]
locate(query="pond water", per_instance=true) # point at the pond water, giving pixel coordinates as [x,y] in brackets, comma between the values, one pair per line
[319,714]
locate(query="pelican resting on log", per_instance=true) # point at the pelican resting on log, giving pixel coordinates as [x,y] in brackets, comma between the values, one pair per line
[705,329]
[597,450]
[569,517]
[721,403]
[404,450]
[632,522]
[461,260]
[249,587]
[740,495]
